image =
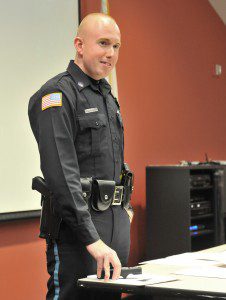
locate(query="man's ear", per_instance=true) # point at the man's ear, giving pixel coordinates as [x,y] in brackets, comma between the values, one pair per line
[78,43]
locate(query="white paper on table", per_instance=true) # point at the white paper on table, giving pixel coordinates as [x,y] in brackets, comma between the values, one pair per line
[150,279]
[213,272]
[137,279]
[173,258]
[217,257]
[184,259]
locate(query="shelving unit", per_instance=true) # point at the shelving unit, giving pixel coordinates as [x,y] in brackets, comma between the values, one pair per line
[184,209]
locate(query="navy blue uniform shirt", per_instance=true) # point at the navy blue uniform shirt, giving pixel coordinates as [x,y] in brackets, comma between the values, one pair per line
[78,127]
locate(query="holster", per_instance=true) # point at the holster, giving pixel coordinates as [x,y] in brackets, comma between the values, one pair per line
[127,181]
[49,221]
[102,194]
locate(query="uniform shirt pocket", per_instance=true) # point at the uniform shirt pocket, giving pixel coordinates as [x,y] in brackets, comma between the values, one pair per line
[94,121]
[92,131]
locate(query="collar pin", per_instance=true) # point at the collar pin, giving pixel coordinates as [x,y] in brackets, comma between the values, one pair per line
[80,84]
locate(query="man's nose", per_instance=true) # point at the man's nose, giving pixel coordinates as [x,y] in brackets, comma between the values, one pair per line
[110,52]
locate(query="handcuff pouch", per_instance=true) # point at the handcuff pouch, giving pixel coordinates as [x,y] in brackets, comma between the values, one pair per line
[102,194]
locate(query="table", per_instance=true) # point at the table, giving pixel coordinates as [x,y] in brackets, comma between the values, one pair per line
[187,287]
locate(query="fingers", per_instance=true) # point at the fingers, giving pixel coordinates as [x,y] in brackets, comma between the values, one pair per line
[116,266]
[105,256]
[108,260]
[99,267]
[106,268]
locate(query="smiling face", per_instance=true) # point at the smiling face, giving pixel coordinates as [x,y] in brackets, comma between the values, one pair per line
[97,45]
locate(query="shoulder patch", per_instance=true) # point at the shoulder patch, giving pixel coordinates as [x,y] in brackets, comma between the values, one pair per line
[51,100]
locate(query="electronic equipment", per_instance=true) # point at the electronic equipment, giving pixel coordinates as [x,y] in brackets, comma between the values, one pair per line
[197,227]
[200,180]
[198,198]
[200,208]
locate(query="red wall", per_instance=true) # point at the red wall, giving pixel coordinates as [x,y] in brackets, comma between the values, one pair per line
[173,108]
[22,261]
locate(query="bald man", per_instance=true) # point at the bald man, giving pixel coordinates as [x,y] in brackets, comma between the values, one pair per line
[78,127]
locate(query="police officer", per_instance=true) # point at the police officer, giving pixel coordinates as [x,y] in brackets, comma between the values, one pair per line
[78,127]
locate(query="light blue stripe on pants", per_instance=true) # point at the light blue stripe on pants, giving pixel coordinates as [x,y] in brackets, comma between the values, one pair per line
[56,273]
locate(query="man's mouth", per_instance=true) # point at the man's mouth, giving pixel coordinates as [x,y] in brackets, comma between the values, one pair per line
[106,63]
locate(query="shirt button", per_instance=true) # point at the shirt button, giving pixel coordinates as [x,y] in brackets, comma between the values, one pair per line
[97,124]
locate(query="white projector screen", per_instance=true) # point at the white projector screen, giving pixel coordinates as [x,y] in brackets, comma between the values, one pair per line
[36,44]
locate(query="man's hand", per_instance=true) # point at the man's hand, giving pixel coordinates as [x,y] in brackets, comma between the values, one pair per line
[105,256]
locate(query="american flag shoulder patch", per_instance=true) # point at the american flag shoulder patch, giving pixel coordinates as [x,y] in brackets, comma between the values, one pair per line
[51,100]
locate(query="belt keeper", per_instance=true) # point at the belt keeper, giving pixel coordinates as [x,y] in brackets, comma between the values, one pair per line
[86,188]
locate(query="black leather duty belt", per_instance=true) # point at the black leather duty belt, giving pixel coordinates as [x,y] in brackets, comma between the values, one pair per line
[117,198]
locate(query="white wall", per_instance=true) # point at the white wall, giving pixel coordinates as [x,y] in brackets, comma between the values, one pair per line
[36,44]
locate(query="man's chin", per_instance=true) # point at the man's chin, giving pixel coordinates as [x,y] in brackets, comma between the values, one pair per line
[106,74]
[101,74]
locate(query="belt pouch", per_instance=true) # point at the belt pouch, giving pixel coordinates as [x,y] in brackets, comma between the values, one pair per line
[127,196]
[103,194]
[86,188]
[128,188]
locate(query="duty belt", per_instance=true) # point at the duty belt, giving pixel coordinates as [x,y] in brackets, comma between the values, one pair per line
[101,194]
[117,197]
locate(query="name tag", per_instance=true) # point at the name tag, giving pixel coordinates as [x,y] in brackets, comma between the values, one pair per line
[90,110]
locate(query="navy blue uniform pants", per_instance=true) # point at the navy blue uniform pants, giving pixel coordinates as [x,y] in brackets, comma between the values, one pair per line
[68,260]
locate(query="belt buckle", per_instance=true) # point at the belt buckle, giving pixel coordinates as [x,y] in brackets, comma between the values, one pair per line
[117,199]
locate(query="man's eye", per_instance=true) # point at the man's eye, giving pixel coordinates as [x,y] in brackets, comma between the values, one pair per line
[103,43]
[116,46]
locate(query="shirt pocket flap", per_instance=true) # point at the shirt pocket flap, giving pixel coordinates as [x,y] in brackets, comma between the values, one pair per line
[92,121]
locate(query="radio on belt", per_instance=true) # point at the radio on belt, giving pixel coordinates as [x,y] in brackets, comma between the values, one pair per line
[125,271]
